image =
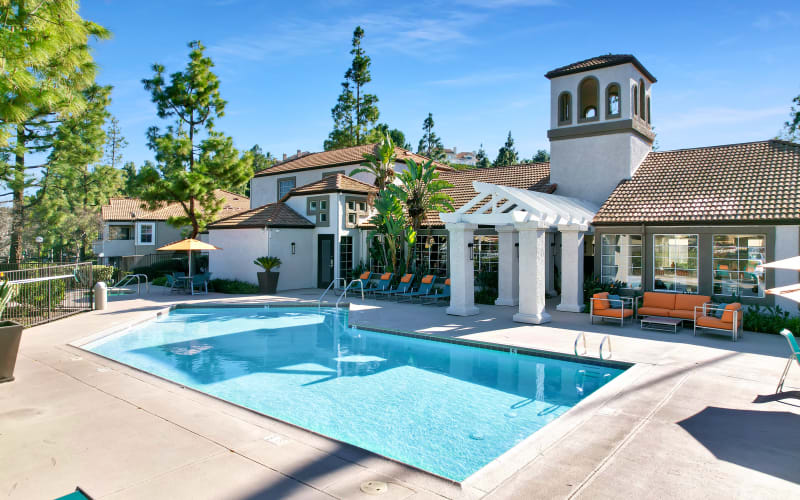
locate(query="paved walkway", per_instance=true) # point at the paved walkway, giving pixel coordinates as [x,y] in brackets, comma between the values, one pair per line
[694,419]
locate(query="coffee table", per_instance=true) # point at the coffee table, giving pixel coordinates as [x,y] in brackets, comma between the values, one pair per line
[661,324]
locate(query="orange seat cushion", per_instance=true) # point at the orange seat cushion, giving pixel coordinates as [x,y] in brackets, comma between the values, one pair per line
[406,278]
[654,311]
[682,314]
[613,313]
[659,300]
[601,304]
[730,309]
[712,322]
[447,282]
[386,276]
[686,302]
[364,275]
[427,279]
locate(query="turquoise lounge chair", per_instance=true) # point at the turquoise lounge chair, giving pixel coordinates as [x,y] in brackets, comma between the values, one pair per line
[436,297]
[402,287]
[424,289]
[383,284]
[794,356]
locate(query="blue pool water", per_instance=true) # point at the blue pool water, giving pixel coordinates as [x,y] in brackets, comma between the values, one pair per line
[445,408]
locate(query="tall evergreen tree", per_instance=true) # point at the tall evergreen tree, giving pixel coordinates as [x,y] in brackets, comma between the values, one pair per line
[791,129]
[506,155]
[46,66]
[482,161]
[355,111]
[541,156]
[193,159]
[115,143]
[381,130]
[130,179]
[430,144]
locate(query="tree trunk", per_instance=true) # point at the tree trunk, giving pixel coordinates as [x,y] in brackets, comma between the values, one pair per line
[18,209]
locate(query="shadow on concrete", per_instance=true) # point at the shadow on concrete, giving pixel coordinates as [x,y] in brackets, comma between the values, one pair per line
[780,397]
[765,441]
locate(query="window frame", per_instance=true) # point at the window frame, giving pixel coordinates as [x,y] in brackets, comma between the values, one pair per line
[761,278]
[582,105]
[320,212]
[131,232]
[609,88]
[642,93]
[561,108]
[345,256]
[293,179]
[629,264]
[696,269]
[357,202]
[139,226]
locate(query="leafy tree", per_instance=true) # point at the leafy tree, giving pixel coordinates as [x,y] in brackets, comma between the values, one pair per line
[482,161]
[130,178]
[391,224]
[541,156]
[115,143]
[355,111]
[506,155]
[791,130]
[381,130]
[421,191]
[430,144]
[189,168]
[261,160]
[46,66]
[380,165]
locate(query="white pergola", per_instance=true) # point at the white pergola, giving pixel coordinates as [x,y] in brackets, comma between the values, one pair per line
[523,220]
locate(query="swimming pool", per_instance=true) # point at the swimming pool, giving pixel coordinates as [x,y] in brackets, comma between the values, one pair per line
[443,407]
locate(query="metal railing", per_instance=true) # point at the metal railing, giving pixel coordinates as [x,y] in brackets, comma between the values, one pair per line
[332,284]
[344,294]
[128,280]
[44,294]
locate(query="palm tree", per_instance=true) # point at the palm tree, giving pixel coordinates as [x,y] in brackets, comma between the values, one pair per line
[380,165]
[391,223]
[421,190]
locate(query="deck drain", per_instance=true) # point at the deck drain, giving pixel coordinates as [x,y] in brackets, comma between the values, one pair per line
[374,487]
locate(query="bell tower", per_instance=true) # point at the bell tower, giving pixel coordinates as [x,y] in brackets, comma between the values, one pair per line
[600,129]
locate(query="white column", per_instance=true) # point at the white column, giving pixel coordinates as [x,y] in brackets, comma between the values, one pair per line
[462,272]
[550,285]
[571,267]
[507,267]
[532,248]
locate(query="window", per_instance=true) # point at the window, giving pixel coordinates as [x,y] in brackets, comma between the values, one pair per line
[318,207]
[642,91]
[285,185]
[431,254]
[377,249]
[621,259]
[634,100]
[735,262]
[564,108]
[588,99]
[146,233]
[312,207]
[120,232]
[613,103]
[675,263]
[484,251]
[355,209]
[345,256]
[648,110]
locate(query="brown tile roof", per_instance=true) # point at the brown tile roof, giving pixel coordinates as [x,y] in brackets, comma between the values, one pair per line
[269,215]
[338,183]
[124,209]
[603,61]
[532,176]
[753,182]
[338,157]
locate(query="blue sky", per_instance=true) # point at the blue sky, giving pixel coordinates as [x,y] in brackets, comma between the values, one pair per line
[726,71]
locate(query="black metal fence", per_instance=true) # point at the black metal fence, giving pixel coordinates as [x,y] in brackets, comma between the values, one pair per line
[47,293]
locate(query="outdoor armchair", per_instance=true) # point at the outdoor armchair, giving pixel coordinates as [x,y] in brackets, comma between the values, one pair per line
[424,289]
[383,284]
[402,287]
[200,282]
[794,356]
[615,309]
[719,318]
[437,296]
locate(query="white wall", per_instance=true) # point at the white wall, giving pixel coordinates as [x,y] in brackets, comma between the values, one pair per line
[787,240]
[296,270]
[240,247]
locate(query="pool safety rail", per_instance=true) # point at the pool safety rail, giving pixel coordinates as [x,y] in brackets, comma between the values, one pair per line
[128,280]
[344,294]
[344,290]
[606,341]
[48,293]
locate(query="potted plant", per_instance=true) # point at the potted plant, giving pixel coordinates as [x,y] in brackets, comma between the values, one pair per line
[10,334]
[268,280]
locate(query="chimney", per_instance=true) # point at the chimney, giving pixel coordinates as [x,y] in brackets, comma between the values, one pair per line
[298,153]
[284,156]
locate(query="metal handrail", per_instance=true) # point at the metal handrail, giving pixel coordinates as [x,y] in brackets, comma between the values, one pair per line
[580,335]
[360,282]
[129,279]
[609,347]
[335,280]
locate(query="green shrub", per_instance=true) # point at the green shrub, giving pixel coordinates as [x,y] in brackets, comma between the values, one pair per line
[486,287]
[102,273]
[232,286]
[41,293]
[160,281]
[593,285]
[770,319]
[163,268]
[267,263]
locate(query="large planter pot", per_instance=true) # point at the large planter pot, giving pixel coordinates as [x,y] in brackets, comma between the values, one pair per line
[10,333]
[268,281]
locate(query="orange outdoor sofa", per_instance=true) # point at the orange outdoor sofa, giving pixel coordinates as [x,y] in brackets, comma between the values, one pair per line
[671,305]
[601,307]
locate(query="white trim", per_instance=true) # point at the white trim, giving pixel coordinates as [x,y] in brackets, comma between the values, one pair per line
[139,226]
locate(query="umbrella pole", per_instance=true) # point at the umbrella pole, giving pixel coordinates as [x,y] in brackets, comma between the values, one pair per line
[190,263]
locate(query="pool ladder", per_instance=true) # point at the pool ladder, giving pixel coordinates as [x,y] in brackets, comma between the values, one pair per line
[582,336]
[344,292]
[128,280]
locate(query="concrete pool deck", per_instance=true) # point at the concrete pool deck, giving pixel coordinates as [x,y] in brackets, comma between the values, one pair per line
[695,418]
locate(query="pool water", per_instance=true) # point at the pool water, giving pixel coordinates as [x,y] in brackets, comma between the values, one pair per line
[446,408]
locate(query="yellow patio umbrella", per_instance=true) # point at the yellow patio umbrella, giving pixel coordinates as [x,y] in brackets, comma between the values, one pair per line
[188,245]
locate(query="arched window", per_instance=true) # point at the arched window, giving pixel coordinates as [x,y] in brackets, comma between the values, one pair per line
[588,99]
[641,100]
[648,110]
[565,108]
[613,101]
[634,100]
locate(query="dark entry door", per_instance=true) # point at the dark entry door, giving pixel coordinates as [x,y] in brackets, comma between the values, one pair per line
[324,260]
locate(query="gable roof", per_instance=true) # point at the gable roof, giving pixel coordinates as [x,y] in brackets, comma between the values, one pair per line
[129,209]
[270,215]
[337,183]
[598,62]
[530,176]
[755,182]
[339,157]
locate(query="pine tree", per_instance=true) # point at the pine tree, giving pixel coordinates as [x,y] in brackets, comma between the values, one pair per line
[506,155]
[115,143]
[541,155]
[481,160]
[130,179]
[46,66]
[190,168]
[355,111]
[430,144]
[791,128]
